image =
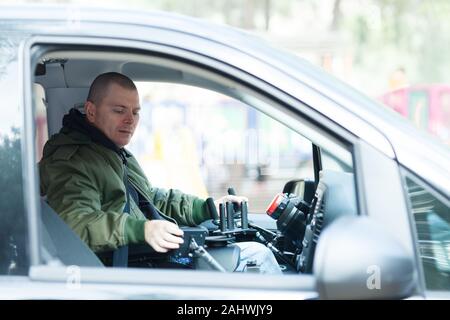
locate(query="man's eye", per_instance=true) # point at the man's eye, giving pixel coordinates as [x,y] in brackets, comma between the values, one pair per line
[120,111]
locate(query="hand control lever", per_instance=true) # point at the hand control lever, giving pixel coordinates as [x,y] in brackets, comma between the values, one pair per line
[236,209]
[200,252]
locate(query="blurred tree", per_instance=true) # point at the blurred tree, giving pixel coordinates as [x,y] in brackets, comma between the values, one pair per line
[267,13]
[411,33]
[337,15]
[12,238]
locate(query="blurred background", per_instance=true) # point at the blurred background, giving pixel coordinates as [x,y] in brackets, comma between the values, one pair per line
[395,51]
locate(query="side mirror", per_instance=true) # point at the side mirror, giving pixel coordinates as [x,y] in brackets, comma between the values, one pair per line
[357,259]
[303,188]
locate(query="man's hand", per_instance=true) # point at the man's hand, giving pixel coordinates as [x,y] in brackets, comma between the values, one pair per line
[163,235]
[228,198]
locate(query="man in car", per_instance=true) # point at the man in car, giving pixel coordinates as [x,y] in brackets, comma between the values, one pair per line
[101,192]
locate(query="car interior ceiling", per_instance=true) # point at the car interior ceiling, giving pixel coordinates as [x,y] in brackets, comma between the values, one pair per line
[66,82]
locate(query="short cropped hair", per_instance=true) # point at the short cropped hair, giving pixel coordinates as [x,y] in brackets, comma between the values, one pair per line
[100,85]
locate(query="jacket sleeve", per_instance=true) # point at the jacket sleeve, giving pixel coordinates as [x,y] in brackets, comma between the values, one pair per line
[186,209]
[73,193]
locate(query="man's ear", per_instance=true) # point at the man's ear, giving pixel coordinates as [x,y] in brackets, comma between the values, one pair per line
[89,109]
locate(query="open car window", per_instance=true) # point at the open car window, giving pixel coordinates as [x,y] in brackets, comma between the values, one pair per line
[203,142]
[203,132]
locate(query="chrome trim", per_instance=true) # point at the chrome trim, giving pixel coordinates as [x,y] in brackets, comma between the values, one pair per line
[31,190]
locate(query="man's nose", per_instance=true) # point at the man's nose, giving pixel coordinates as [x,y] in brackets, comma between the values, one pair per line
[129,118]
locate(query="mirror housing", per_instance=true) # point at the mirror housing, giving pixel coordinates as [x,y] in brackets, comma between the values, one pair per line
[357,259]
[304,188]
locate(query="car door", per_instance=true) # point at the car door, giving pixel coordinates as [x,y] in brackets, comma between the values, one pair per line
[263,87]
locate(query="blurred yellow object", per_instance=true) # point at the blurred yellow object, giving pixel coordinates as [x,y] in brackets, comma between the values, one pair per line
[173,163]
[398,79]
[158,151]
[183,163]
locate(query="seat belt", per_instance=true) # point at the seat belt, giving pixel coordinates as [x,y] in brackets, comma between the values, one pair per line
[120,255]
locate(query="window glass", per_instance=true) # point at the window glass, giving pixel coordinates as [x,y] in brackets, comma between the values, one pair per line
[432,218]
[203,142]
[13,257]
[331,161]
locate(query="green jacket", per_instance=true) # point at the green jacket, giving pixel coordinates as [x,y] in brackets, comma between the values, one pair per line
[83,182]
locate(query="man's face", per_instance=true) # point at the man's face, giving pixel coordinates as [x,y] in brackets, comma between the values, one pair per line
[117,115]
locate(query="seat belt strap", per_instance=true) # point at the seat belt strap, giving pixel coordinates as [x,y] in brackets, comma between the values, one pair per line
[120,255]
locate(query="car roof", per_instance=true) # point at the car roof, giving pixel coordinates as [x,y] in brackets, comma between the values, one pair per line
[418,151]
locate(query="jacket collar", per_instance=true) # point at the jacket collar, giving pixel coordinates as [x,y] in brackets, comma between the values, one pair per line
[77,121]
